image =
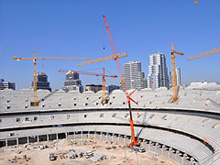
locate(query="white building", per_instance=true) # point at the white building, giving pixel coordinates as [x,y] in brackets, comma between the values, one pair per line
[178,76]
[157,76]
[72,82]
[133,75]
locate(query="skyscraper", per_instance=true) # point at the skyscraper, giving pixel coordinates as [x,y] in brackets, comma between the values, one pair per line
[157,76]
[72,82]
[42,82]
[178,76]
[133,75]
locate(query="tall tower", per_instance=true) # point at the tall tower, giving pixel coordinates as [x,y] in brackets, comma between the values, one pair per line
[157,76]
[72,82]
[133,75]
[178,76]
[42,81]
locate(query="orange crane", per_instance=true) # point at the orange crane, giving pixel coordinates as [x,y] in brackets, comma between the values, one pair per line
[35,103]
[173,66]
[104,100]
[134,141]
[207,53]
[196,1]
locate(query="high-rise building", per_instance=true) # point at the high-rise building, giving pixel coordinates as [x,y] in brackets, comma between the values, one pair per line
[6,85]
[72,82]
[42,82]
[178,77]
[133,75]
[170,79]
[157,76]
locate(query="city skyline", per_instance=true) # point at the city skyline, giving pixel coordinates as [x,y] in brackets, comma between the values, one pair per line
[76,29]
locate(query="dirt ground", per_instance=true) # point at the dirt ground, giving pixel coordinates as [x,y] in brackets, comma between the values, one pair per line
[116,153]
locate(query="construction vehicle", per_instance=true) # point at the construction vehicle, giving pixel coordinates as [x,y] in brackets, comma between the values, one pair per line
[139,149]
[52,157]
[115,56]
[207,53]
[104,98]
[35,103]
[196,2]
[174,81]
[134,141]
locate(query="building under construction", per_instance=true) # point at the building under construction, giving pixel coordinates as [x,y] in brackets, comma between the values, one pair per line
[187,131]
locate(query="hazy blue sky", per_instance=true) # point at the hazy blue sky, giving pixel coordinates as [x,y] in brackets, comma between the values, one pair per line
[75,28]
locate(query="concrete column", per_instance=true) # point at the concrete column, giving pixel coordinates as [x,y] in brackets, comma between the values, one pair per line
[177,152]
[57,136]
[28,140]
[106,137]
[74,135]
[38,139]
[192,160]
[6,142]
[183,158]
[88,134]
[66,134]
[94,134]
[17,141]
[170,149]
[155,148]
[163,148]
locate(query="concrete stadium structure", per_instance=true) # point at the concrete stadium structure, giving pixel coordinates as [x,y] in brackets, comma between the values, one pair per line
[187,131]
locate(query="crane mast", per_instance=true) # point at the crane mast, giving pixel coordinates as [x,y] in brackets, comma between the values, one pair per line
[35,79]
[173,66]
[134,141]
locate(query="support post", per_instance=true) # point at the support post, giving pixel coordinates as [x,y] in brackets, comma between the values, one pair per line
[17,141]
[6,142]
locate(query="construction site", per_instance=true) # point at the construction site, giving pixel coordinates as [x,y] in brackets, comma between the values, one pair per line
[159,126]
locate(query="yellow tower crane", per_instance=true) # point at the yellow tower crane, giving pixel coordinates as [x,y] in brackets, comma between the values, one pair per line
[35,103]
[207,53]
[173,65]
